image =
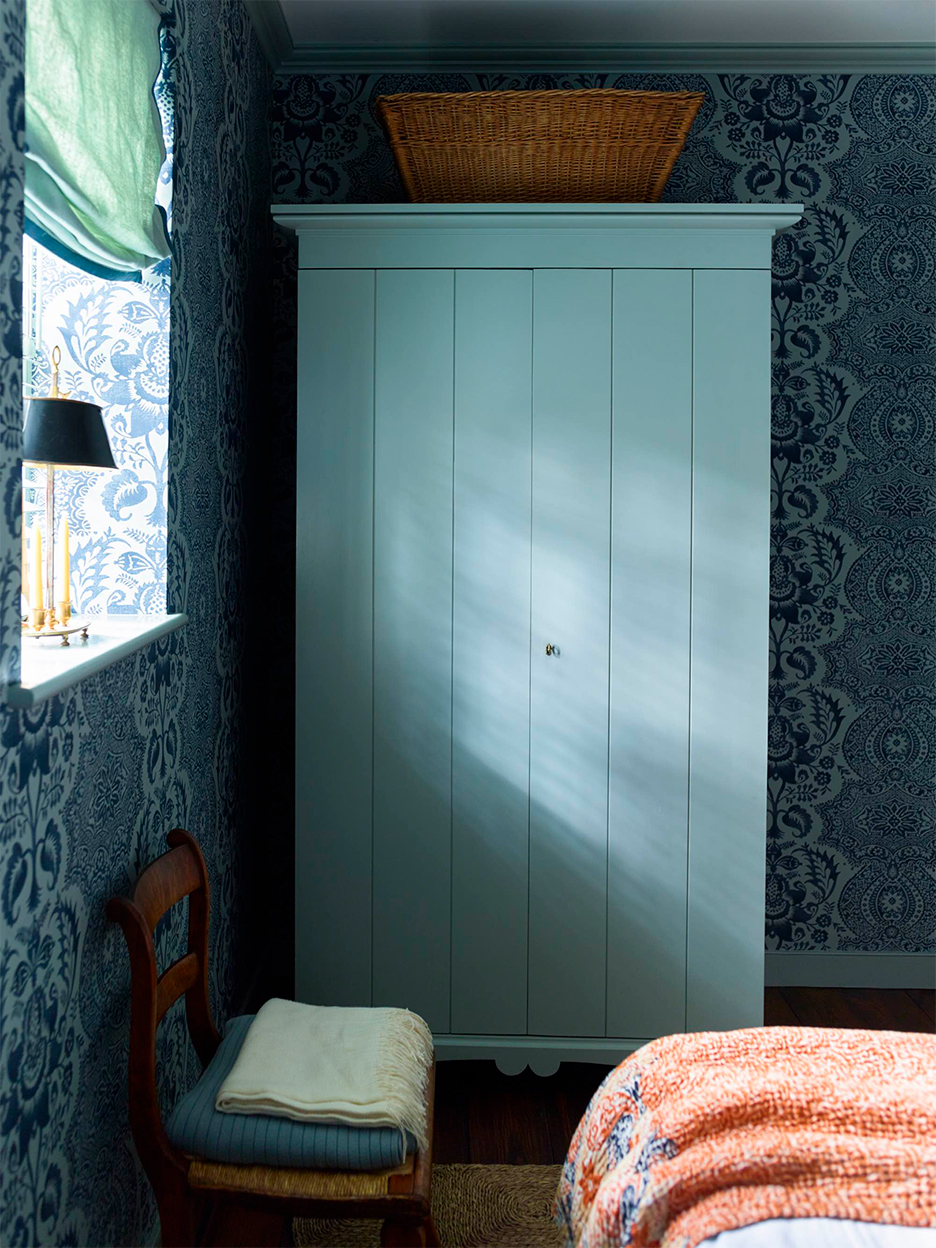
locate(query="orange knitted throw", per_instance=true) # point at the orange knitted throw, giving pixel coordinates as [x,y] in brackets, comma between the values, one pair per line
[697,1134]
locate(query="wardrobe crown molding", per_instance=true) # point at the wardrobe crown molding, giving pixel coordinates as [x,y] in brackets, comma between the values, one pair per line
[505,236]
[369,217]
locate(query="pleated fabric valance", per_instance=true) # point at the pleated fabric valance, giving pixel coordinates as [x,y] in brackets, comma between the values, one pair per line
[93,133]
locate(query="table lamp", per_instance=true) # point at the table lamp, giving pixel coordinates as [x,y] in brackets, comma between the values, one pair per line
[60,433]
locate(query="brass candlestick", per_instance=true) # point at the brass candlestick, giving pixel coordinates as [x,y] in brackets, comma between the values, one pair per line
[65,433]
[33,629]
[50,504]
[52,619]
[49,551]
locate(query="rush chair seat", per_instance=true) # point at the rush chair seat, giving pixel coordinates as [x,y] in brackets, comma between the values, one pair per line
[188,1186]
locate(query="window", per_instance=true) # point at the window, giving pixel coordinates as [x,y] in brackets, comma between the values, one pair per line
[82,295]
[114,339]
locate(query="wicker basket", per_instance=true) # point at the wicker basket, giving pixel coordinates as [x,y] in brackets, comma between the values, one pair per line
[540,146]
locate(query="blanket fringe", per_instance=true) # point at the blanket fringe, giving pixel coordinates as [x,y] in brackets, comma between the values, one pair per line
[403,1067]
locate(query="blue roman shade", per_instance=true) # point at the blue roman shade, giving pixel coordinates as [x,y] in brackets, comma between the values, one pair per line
[93,133]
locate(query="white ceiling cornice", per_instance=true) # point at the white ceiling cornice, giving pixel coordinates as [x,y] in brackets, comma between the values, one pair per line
[272,31]
[597,58]
[286,56]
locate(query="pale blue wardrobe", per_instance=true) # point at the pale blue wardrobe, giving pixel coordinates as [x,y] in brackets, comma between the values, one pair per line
[533,502]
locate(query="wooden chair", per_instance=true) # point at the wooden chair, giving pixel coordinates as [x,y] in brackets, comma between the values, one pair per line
[186,1186]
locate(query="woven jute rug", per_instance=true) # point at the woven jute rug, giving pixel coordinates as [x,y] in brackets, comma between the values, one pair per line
[473,1207]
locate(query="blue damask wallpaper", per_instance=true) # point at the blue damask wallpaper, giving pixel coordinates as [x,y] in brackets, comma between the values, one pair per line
[90,781]
[851,848]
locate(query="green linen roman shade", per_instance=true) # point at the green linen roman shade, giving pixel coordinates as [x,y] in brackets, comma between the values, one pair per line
[93,133]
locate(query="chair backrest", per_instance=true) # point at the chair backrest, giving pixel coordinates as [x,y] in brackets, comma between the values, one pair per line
[177,874]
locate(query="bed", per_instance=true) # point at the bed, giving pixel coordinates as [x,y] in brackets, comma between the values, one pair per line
[768,1137]
[823,1233]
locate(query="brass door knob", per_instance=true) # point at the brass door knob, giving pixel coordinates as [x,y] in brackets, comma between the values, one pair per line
[551,649]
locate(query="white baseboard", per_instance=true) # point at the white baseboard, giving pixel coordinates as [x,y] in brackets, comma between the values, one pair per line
[850,970]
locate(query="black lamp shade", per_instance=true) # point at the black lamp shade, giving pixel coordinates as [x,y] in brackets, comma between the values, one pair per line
[67,433]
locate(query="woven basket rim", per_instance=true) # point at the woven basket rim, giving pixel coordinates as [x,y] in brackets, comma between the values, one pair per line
[513,93]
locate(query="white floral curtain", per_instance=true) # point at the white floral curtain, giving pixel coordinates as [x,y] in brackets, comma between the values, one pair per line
[93,133]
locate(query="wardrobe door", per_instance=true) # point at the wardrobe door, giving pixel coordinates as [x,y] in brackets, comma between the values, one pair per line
[413,641]
[569,689]
[491,657]
[334,703]
[730,604]
[650,570]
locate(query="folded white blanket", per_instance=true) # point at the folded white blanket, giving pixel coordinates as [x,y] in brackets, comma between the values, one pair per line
[312,1063]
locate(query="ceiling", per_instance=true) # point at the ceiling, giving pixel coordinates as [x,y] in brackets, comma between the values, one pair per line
[387,34]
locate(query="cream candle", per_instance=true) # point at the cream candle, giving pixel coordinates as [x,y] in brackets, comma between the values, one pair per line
[64,586]
[35,599]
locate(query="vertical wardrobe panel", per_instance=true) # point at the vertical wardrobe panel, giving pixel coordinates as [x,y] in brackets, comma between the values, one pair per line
[728,724]
[335,455]
[569,690]
[491,654]
[650,564]
[413,641]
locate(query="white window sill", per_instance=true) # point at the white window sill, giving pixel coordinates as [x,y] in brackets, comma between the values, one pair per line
[48,667]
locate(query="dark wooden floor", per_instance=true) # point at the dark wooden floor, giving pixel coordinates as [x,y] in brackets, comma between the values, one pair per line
[484,1116]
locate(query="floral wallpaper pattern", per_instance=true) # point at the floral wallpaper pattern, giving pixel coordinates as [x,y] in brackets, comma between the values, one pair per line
[851,837]
[91,780]
[115,351]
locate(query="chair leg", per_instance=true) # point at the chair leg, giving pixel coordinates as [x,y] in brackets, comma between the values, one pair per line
[432,1235]
[397,1233]
[176,1222]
